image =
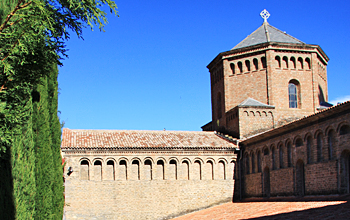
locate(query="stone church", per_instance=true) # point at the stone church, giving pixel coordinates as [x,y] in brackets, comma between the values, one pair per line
[272,133]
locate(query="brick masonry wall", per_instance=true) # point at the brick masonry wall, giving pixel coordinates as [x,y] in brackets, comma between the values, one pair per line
[253,185]
[255,120]
[324,173]
[138,189]
[281,182]
[321,178]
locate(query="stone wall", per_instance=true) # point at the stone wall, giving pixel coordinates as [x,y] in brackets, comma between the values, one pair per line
[145,186]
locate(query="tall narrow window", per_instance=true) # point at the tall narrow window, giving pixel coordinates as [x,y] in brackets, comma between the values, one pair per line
[253,163]
[256,65]
[330,144]
[308,63]
[221,170]
[240,67]
[281,156]
[172,170]
[209,170]
[293,98]
[300,63]
[148,170]
[292,59]
[109,175]
[285,62]
[308,149]
[197,175]
[97,170]
[319,148]
[278,61]
[273,158]
[160,170]
[84,170]
[259,161]
[135,170]
[232,65]
[263,62]
[289,154]
[247,64]
[246,164]
[122,170]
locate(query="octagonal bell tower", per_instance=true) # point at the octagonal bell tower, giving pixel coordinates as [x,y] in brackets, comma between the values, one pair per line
[268,79]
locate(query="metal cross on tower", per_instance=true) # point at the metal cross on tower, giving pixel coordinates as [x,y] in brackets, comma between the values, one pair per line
[265,15]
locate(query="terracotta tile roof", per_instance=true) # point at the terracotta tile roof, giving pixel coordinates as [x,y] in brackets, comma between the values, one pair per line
[121,139]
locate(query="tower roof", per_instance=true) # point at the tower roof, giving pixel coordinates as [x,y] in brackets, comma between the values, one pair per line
[267,33]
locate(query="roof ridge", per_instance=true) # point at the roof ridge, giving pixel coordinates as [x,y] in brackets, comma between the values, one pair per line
[283,32]
[248,36]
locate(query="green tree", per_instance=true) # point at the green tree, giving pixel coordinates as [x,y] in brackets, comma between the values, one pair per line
[32,44]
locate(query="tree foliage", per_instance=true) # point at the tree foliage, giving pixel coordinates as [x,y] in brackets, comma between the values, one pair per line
[32,44]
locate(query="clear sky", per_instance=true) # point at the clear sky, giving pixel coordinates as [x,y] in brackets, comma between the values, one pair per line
[148,70]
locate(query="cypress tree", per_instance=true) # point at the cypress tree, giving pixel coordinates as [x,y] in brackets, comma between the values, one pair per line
[55,126]
[42,144]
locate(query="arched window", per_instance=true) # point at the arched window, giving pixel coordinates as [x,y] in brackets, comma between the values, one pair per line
[308,63]
[331,140]
[98,170]
[292,59]
[160,169]
[247,164]
[209,170]
[240,67]
[197,170]
[218,107]
[300,63]
[122,170]
[253,163]
[135,170]
[289,154]
[110,170]
[221,170]
[173,170]
[293,94]
[84,170]
[273,158]
[148,170]
[278,61]
[256,65]
[185,171]
[232,65]
[247,64]
[263,62]
[285,62]
[319,148]
[308,149]
[259,161]
[281,156]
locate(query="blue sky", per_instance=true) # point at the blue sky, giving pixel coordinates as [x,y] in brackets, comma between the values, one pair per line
[148,70]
